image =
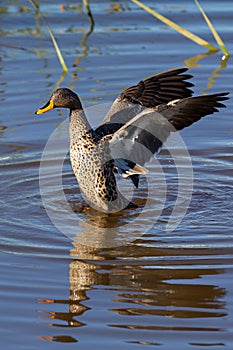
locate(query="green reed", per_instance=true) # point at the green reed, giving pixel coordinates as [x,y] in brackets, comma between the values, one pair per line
[58,51]
[187,33]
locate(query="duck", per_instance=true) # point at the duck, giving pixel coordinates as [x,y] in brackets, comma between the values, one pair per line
[134,129]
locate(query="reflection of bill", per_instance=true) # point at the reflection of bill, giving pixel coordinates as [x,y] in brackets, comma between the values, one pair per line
[136,126]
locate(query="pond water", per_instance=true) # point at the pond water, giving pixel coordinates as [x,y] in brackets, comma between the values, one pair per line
[146,284]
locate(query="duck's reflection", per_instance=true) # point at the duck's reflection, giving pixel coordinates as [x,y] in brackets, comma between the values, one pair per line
[163,281]
[145,281]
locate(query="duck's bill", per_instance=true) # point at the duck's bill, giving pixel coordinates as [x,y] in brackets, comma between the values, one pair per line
[49,105]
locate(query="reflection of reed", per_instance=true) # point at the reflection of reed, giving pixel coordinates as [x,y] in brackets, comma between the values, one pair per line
[193,62]
[84,39]
[89,13]
[84,51]
[215,72]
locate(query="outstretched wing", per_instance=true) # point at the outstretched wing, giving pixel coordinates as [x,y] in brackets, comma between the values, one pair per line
[183,113]
[137,141]
[149,93]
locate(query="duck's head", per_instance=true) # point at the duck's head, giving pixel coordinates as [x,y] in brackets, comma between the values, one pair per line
[61,98]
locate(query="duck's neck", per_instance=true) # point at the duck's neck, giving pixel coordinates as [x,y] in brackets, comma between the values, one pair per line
[79,125]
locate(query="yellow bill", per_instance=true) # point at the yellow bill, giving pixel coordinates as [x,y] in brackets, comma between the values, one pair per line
[49,105]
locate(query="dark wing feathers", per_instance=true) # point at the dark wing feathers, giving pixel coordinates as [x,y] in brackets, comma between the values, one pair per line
[160,88]
[152,126]
[151,92]
[146,114]
[184,112]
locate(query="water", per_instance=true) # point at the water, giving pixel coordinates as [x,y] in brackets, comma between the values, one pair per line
[167,289]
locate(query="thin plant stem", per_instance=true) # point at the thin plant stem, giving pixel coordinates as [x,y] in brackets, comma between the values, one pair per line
[214,32]
[58,51]
[175,26]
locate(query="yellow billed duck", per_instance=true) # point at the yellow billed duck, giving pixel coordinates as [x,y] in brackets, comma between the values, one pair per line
[137,124]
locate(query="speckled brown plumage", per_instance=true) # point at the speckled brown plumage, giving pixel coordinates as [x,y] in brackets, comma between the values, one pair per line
[145,114]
